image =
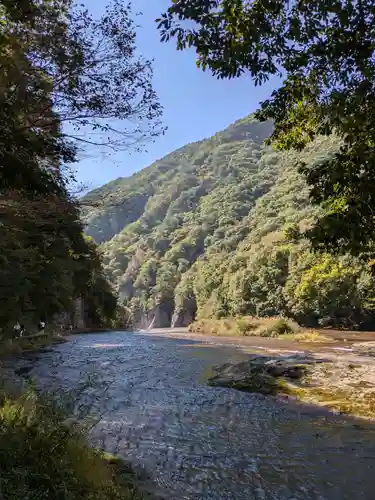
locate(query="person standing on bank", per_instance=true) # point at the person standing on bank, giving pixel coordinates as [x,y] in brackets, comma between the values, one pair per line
[17,329]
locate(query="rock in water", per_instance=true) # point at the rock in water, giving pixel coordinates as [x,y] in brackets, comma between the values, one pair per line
[261,373]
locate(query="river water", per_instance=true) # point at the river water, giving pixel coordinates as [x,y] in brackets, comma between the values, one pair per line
[198,442]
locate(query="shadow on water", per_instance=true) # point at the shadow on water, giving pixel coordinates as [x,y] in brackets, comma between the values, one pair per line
[199,442]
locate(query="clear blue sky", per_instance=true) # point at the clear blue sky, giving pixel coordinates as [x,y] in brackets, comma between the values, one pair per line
[196,104]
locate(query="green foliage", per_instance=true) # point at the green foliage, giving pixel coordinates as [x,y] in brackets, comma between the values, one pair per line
[59,64]
[47,263]
[87,67]
[331,290]
[323,51]
[92,285]
[292,232]
[250,326]
[279,327]
[41,456]
[229,245]
[244,326]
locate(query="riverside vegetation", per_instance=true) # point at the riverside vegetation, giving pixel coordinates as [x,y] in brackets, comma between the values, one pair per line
[30,343]
[61,70]
[44,457]
[268,327]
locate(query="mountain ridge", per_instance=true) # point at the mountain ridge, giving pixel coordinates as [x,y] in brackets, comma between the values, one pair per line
[214,229]
[240,127]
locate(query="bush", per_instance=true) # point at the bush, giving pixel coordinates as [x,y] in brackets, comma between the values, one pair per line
[276,327]
[42,457]
[246,326]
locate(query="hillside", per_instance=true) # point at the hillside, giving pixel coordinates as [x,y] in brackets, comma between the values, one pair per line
[213,229]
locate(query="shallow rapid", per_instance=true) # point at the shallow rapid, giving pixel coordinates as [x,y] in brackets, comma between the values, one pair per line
[154,408]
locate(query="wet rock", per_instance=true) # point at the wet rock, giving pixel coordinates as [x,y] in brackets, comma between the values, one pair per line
[285,368]
[23,370]
[264,374]
[364,348]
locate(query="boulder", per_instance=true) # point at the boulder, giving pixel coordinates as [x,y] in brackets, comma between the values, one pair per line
[285,368]
[260,373]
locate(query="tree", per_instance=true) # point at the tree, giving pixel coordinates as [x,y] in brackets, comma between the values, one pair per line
[60,65]
[98,85]
[329,291]
[324,51]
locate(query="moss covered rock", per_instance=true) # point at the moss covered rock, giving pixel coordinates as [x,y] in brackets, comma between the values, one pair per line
[263,374]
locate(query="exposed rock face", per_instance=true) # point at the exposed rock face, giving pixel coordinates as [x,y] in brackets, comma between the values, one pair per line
[180,319]
[184,317]
[163,315]
[342,386]
[160,317]
[79,313]
[103,226]
[77,317]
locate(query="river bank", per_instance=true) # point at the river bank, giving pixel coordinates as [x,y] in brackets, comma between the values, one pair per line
[342,386]
[43,453]
[248,326]
[30,343]
[42,456]
[338,373]
[17,346]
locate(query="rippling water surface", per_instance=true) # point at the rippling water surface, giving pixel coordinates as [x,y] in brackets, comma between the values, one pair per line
[199,442]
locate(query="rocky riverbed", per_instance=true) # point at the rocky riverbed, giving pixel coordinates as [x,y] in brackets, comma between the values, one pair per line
[338,374]
[152,406]
[338,384]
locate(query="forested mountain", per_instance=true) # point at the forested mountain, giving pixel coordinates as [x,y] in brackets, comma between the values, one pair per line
[214,229]
[62,69]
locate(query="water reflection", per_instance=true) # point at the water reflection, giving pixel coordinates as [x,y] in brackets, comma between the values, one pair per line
[105,346]
[209,443]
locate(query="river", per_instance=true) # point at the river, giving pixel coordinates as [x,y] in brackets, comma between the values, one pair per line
[199,442]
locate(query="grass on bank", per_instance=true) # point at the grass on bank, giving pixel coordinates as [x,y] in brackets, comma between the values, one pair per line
[344,400]
[248,326]
[17,346]
[42,457]
[341,400]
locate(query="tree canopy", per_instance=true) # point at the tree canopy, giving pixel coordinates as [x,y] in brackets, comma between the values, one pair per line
[61,66]
[324,53]
[97,84]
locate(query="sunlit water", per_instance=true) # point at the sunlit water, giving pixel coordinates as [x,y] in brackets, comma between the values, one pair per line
[199,442]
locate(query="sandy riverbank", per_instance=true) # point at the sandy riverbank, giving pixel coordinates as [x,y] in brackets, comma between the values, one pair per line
[340,343]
